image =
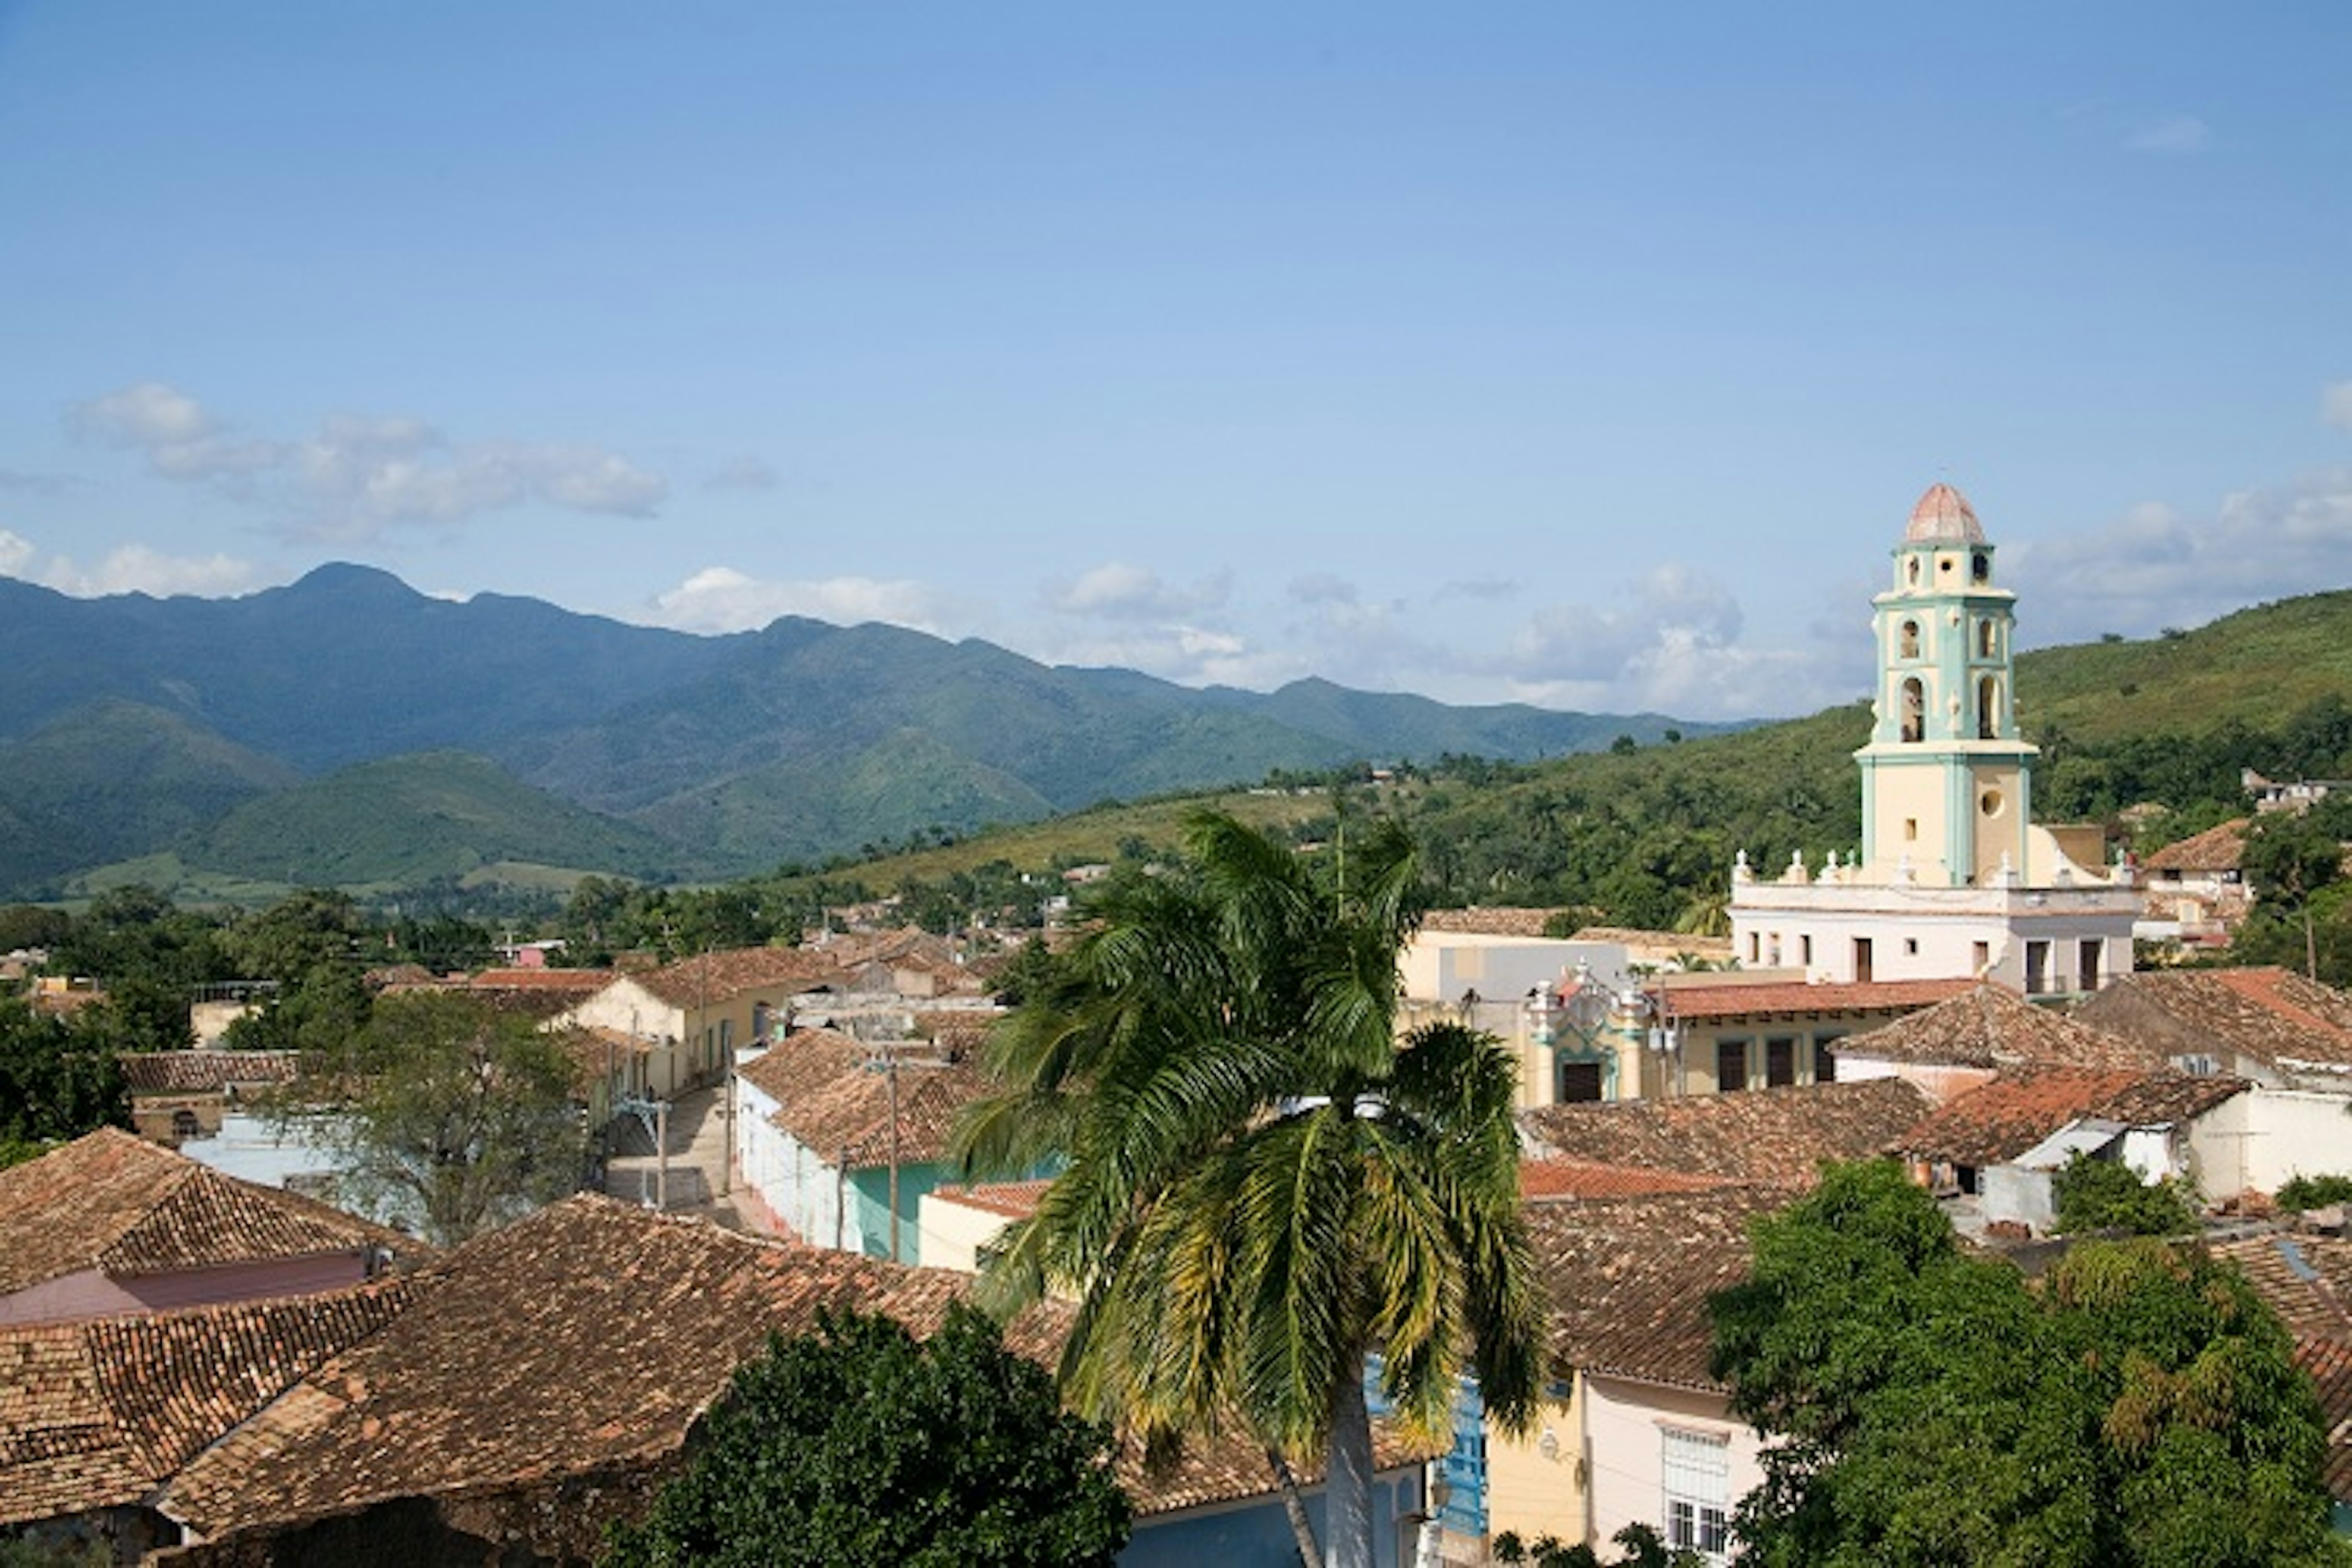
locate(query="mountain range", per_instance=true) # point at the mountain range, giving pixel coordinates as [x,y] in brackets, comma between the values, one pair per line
[348,731]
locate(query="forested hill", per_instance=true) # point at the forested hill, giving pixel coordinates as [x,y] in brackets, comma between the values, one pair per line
[1646,837]
[539,743]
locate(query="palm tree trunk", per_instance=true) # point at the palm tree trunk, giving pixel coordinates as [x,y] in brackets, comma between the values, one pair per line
[1347,1478]
[1302,1529]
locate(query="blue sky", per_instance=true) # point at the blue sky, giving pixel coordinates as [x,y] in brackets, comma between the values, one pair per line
[1581,355]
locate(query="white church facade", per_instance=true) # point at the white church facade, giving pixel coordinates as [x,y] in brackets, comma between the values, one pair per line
[1954,879]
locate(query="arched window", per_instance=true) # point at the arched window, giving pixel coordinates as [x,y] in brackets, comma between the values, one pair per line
[1980,567]
[1988,709]
[1907,640]
[1987,638]
[1911,571]
[1915,709]
[184,1125]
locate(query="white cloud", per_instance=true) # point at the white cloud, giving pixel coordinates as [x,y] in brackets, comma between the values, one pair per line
[359,476]
[144,414]
[126,569]
[1587,643]
[2156,565]
[2335,405]
[2170,133]
[722,599]
[1119,591]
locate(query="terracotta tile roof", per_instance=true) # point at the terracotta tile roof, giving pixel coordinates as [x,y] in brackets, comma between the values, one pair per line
[1773,1135]
[2307,1278]
[97,1413]
[2002,1118]
[1496,921]
[191,1072]
[522,977]
[2219,848]
[1738,999]
[716,976]
[1013,1200]
[583,1340]
[2329,1363]
[834,1098]
[1544,1179]
[114,1203]
[1628,1278]
[1989,1027]
[2272,1015]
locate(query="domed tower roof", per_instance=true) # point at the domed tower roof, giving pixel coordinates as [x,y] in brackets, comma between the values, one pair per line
[1943,517]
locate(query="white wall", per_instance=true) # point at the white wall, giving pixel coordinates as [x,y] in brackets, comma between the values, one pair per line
[801,1191]
[2261,1137]
[1625,1451]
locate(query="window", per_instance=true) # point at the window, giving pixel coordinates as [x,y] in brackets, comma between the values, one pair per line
[1730,1065]
[2037,968]
[1980,567]
[1987,638]
[1862,967]
[1979,958]
[1698,1468]
[1780,1063]
[1580,1083]
[184,1125]
[1988,709]
[2086,964]
[1910,947]
[1825,1060]
[1805,949]
[1908,645]
[1915,711]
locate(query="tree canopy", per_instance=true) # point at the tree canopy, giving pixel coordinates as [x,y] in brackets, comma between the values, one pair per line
[2139,1408]
[857,1445]
[1261,1187]
[463,1115]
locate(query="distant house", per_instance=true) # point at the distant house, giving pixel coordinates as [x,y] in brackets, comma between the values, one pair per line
[1721,1033]
[1635,1428]
[1777,1137]
[837,1140]
[100,1413]
[2002,1142]
[111,1223]
[179,1095]
[1962,1042]
[694,1014]
[2289,1037]
[2195,888]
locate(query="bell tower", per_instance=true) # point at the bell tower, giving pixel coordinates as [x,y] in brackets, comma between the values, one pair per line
[1946,777]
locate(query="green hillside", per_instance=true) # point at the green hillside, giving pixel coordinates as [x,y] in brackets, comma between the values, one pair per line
[112,779]
[414,819]
[2257,668]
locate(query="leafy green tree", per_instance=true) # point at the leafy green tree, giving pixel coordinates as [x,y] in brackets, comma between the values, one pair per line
[464,1119]
[1261,1187]
[1927,1407]
[311,944]
[59,1079]
[855,1444]
[2300,1193]
[24,926]
[149,956]
[2107,1195]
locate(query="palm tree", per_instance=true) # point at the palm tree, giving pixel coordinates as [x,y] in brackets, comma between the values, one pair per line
[1261,1185]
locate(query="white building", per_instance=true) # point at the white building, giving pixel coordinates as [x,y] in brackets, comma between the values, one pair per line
[1954,879]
